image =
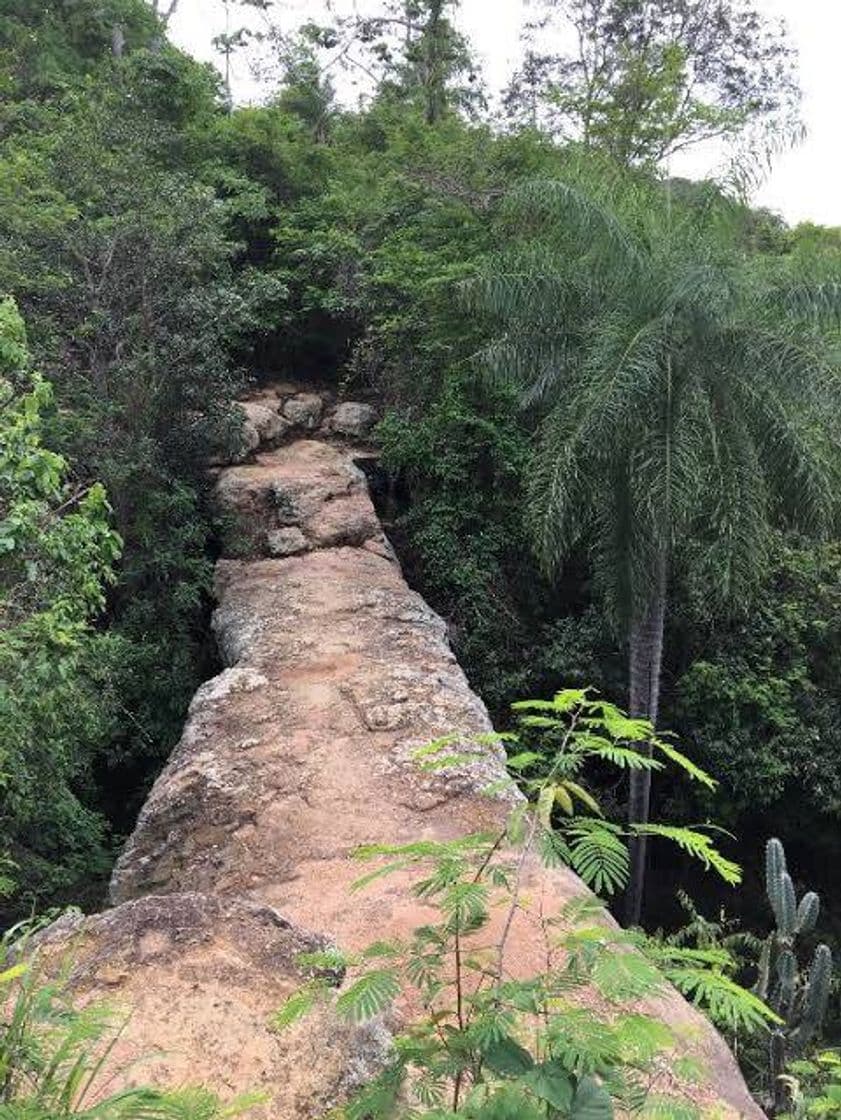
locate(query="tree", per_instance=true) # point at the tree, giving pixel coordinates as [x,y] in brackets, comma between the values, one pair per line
[233,38]
[648,78]
[684,397]
[434,55]
[47,47]
[410,51]
[307,92]
[165,10]
[57,554]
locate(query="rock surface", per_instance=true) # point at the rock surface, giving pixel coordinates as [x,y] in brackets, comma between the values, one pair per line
[298,752]
[304,409]
[201,977]
[353,419]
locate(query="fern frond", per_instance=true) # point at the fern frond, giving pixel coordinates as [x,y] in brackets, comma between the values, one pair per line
[727,1003]
[598,854]
[697,844]
[369,996]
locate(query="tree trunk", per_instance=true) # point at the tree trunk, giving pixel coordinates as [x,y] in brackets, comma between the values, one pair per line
[434,64]
[646,659]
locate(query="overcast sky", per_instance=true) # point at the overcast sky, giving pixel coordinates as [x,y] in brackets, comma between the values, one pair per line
[805,183]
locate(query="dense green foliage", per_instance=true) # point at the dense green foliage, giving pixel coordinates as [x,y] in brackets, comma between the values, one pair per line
[118,242]
[57,552]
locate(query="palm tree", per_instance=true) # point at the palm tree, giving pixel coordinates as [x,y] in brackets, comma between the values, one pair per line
[682,391]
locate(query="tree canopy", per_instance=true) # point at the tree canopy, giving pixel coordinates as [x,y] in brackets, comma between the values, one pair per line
[647,78]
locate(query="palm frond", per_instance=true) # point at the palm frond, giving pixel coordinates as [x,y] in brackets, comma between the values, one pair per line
[591,223]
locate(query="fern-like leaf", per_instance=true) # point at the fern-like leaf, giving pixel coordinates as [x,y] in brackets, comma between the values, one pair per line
[369,996]
[598,854]
[698,845]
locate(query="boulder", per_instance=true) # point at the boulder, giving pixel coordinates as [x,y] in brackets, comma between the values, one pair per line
[304,410]
[353,419]
[202,977]
[308,485]
[262,426]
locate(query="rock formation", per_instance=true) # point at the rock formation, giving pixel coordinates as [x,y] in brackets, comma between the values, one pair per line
[298,752]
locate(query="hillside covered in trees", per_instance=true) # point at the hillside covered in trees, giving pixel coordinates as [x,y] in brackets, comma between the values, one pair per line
[609,406]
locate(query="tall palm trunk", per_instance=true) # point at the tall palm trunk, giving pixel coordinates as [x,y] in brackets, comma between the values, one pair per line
[646,660]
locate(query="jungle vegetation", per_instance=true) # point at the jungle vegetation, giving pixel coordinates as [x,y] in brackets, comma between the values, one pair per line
[609,395]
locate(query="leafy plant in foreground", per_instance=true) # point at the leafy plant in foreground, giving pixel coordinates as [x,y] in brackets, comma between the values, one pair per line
[491,1044]
[813,1088]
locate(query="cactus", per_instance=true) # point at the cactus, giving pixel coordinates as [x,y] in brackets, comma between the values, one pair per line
[786,981]
[787,920]
[799,998]
[815,998]
[807,912]
[777,1067]
[775,868]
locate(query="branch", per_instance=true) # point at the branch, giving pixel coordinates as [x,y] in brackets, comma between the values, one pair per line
[165,15]
[445,184]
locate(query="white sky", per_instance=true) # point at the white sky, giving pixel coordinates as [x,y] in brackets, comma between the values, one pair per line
[805,183]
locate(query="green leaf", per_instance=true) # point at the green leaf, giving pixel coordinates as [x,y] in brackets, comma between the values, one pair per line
[449,761]
[435,746]
[380,873]
[380,949]
[545,722]
[328,960]
[545,801]
[551,1082]
[516,826]
[465,904]
[553,849]
[300,1003]
[591,1102]
[583,796]
[698,845]
[727,1003]
[508,1058]
[523,760]
[598,854]
[625,758]
[563,798]
[509,1103]
[569,698]
[685,764]
[625,975]
[369,996]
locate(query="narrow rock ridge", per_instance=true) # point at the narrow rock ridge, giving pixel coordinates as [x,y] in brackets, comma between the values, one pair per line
[300,750]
